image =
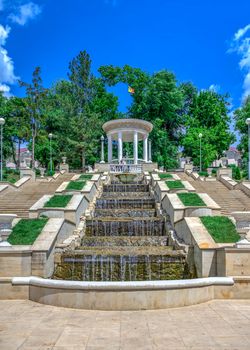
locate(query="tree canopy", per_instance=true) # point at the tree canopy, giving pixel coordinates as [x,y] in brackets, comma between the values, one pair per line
[74,109]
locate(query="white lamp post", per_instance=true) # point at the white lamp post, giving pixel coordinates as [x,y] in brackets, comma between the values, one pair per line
[50,151]
[2,121]
[200,137]
[248,124]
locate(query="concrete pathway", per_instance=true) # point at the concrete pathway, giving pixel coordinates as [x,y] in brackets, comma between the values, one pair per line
[215,325]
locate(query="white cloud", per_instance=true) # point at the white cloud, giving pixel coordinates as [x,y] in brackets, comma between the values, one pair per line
[5,89]
[214,88]
[25,13]
[7,75]
[241,32]
[241,45]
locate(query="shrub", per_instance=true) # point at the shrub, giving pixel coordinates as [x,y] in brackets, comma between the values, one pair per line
[203,173]
[235,172]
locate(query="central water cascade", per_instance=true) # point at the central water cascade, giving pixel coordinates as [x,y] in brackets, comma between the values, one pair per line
[124,240]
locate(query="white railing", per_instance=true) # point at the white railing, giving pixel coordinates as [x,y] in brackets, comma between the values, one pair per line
[125,168]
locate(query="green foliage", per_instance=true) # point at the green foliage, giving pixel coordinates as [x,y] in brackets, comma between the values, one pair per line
[36,95]
[11,175]
[26,231]
[214,171]
[50,169]
[76,185]
[165,176]
[156,99]
[58,201]
[207,114]
[203,173]
[240,116]
[174,184]
[85,177]
[191,200]
[74,110]
[221,229]
[236,175]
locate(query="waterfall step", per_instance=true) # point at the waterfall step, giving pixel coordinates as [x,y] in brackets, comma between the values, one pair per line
[126,241]
[124,213]
[123,251]
[124,203]
[126,188]
[125,227]
[127,195]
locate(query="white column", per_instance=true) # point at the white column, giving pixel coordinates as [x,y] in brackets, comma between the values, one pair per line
[149,151]
[119,146]
[110,149]
[102,149]
[145,149]
[135,147]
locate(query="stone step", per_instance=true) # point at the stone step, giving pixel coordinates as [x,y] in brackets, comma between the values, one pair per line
[126,241]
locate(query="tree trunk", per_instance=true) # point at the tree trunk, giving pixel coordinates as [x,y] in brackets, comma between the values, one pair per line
[33,153]
[83,159]
[19,154]
[13,149]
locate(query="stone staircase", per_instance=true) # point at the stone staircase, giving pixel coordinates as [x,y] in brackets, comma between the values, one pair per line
[229,200]
[18,201]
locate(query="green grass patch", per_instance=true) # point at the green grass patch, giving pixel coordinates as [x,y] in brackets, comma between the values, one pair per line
[174,184]
[58,201]
[85,177]
[165,176]
[26,231]
[76,185]
[191,199]
[221,229]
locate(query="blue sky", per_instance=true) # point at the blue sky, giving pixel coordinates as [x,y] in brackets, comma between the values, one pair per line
[189,37]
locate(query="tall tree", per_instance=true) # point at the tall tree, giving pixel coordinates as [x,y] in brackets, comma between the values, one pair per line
[35,100]
[240,117]
[208,115]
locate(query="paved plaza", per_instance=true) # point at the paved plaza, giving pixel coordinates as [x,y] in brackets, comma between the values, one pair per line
[214,325]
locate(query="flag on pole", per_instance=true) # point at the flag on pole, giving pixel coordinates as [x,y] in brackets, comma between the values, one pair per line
[131,90]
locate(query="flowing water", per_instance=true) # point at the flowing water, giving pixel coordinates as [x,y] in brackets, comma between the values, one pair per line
[124,240]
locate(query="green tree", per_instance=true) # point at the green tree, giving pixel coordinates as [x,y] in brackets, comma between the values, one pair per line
[240,117]
[157,99]
[207,114]
[36,94]
[76,110]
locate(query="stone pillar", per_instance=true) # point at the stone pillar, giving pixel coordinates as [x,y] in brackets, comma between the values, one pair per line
[102,149]
[135,147]
[119,146]
[149,151]
[145,149]
[110,149]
